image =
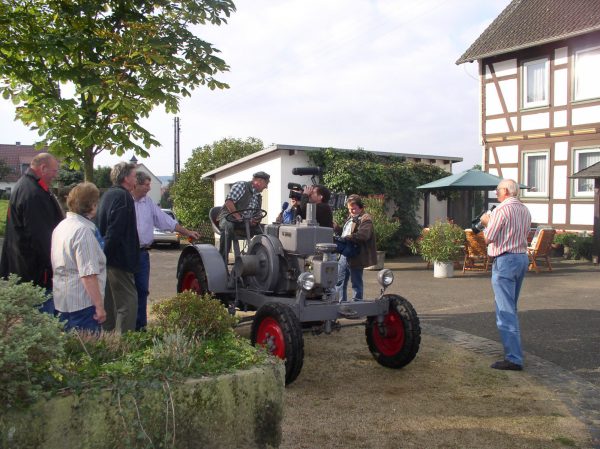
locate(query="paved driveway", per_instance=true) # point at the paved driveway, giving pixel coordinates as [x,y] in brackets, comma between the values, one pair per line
[559,310]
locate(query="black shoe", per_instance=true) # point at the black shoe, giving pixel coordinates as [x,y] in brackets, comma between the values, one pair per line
[506,365]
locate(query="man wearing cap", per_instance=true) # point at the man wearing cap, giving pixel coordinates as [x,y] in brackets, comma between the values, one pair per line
[243,195]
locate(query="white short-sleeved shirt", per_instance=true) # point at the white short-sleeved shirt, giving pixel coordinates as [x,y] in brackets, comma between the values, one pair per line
[75,253]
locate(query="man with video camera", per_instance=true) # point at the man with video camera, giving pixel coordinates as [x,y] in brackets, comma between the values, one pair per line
[319,195]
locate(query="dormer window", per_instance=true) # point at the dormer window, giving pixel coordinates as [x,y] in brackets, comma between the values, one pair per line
[535,83]
[587,73]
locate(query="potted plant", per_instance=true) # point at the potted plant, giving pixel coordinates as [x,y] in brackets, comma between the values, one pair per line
[441,244]
[566,239]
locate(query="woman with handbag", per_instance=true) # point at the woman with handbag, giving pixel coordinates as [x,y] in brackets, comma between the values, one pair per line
[358,239]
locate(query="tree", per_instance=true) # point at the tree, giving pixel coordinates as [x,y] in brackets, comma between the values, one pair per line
[193,196]
[84,72]
[102,177]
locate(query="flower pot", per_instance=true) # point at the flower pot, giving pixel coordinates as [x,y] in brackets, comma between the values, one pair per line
[443,269]
[380,261]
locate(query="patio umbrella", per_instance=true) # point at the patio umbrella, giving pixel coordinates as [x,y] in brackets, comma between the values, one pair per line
[469,181]
[472,179]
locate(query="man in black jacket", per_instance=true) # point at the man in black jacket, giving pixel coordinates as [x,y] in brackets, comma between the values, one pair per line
[117,224]
[318,195]
[33,213]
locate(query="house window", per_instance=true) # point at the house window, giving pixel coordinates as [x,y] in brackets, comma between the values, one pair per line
[535,83]
[583,158]
[535,173]
[587,72]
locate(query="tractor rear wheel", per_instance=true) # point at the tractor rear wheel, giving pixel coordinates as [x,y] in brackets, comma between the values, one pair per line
[395,343]
[192,275]
[277,328]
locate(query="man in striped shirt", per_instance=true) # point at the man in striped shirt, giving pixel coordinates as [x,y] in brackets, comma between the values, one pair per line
[506,235]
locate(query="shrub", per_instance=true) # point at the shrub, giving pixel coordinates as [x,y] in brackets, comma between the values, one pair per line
[581,248]
[197,316]
[386,228]
[31,342]
[443,242]
[564,238]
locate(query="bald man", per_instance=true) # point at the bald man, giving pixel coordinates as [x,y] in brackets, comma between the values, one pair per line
[33,213]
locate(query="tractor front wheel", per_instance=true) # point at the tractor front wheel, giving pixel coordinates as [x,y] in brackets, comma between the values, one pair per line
[277,328]
[395,342]
[192,275]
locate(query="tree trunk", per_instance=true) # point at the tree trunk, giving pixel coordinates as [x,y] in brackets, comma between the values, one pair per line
[88,165]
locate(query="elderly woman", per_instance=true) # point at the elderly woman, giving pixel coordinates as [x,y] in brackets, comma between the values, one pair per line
[357,229]
[78,262]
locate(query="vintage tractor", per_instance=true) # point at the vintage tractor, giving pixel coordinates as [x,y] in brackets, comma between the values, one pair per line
[287,274]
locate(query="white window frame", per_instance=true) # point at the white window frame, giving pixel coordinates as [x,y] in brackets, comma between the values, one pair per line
[575,186]
[587,79]
[524,88]
[544,191]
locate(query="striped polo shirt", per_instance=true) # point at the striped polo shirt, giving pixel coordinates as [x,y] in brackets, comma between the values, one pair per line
[508,228]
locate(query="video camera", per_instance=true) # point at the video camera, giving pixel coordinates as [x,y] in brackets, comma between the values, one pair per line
[337,200]
[476,224]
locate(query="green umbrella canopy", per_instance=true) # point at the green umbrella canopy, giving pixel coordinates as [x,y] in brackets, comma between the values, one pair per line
[472,179]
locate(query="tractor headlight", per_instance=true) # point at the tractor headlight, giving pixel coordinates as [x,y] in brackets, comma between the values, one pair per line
[306,281]
[385,278]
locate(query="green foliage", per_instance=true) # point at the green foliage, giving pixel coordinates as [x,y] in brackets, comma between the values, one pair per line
[69,177]
[581,247]
[102,177]
[391,175]
[564,238]
[443,242]
[30,343]
[3,211]
[119,61]
[197,316]
[193,197]
[385,228]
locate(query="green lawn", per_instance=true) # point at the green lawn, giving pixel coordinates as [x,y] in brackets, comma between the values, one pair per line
[3,207]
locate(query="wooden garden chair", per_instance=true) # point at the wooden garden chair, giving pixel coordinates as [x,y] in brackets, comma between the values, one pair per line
[476,257]
[540,249]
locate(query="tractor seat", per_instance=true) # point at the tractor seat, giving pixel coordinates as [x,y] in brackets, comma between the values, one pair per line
[213,214]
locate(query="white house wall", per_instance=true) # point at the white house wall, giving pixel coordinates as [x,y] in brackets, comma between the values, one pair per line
[509,129]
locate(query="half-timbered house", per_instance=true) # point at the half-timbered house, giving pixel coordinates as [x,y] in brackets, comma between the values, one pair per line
[539,71]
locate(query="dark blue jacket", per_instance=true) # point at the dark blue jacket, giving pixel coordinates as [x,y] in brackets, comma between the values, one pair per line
[117,224]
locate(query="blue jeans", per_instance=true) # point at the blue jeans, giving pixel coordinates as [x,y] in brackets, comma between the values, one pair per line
[48,305]
[82,319]
[508,272]
[346,273]
[142,285]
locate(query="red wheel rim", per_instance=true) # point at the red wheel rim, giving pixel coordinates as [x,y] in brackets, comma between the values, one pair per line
[392,342]
[190,282]
[271,337]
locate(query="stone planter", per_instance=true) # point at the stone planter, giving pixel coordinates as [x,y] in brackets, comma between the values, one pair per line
[380,262]
[244,409]
[443,269]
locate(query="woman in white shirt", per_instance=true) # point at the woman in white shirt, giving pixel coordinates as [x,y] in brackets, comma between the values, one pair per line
[79,263]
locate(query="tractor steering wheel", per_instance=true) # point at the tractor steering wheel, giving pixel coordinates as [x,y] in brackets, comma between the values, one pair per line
[253,214]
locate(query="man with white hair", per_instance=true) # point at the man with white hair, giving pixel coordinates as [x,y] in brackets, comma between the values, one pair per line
[506,232]
[33,213]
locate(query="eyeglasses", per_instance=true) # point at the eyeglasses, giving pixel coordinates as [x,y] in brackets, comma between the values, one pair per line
[500,188]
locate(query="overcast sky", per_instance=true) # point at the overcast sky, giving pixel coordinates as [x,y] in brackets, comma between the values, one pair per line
[374,74]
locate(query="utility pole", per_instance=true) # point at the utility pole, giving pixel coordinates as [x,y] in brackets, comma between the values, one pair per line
[177,129]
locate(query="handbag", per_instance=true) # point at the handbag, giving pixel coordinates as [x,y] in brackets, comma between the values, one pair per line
[347,248]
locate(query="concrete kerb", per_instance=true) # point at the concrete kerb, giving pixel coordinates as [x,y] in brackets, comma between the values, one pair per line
[581,397]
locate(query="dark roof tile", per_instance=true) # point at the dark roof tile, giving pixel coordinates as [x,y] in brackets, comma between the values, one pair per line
[528,23]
